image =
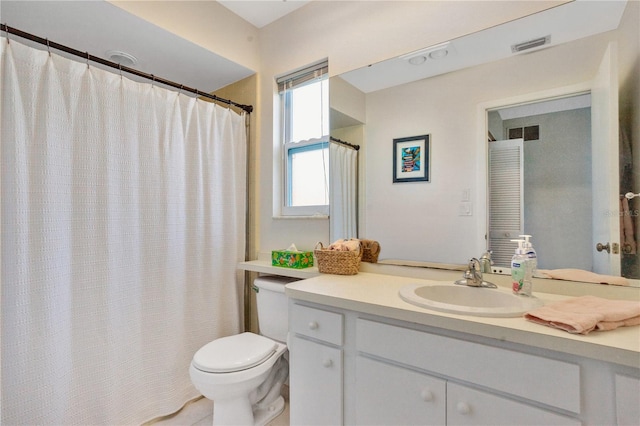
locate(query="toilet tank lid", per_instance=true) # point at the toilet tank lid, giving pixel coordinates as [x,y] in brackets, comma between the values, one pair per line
[234,353]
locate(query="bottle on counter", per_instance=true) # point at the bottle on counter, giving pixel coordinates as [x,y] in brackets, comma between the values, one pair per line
[521,270]
[531,253]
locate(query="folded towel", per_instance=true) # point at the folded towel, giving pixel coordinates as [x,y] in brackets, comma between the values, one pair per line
[345,245]
[581,315]
[584,276]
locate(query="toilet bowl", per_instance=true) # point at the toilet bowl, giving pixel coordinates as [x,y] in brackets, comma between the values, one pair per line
[243,374]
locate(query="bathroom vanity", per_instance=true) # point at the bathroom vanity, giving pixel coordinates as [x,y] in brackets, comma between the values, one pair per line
[359,354]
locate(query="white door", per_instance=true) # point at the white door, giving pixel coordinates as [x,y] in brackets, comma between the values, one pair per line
[506,201]
[605,173]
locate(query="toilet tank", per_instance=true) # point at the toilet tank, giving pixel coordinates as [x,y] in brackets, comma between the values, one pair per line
[271,303]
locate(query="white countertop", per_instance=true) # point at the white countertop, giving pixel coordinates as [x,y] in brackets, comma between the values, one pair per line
[377,294]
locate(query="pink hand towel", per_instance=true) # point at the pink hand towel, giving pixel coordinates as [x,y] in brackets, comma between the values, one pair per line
[581,315]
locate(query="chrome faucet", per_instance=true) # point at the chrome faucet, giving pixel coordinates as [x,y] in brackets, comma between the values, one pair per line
[472,277]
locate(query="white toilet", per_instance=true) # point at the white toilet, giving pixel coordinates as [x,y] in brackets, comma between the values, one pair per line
[243,374]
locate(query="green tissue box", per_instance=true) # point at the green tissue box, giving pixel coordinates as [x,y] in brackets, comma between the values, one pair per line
[292,259]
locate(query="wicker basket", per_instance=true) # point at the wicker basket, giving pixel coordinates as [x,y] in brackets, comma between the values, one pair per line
[337,262]
[370,251]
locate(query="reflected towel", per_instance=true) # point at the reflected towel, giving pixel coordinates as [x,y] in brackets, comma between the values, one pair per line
[346,245]
[581,315]
[583,276]
[627,234]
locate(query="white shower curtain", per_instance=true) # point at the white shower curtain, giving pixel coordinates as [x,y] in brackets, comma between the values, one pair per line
[122,223]
[343,190]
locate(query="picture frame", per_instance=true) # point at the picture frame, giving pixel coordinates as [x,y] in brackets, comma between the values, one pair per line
[411,159]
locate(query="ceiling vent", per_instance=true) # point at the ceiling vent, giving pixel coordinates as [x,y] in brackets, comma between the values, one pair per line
[531,44]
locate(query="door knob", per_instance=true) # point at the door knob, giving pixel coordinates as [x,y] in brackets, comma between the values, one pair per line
[601,247]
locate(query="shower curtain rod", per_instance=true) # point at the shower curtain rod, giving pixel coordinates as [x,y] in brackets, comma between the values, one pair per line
[88,57]
[350,145]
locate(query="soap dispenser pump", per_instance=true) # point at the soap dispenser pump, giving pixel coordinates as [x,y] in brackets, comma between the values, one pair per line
[521,270]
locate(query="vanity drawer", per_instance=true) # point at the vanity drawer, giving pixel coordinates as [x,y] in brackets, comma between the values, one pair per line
[548,381]
[317,323]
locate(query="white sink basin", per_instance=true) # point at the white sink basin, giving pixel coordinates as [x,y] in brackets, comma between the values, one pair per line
[476,301]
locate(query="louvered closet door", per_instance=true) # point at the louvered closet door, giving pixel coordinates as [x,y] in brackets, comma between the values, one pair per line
[506,201]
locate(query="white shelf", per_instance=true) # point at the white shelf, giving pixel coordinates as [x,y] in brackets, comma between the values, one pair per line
[265,267]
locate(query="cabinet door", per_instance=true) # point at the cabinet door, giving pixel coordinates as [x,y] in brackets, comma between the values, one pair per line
[315,381]
[627,395]
[391,395]
[467,406]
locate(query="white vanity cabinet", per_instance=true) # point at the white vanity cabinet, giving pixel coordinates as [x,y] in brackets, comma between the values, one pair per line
[395,364]
[348,367]
[477,384]
[315,365]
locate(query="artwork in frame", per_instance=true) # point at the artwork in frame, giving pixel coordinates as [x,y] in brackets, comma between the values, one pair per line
[411,159]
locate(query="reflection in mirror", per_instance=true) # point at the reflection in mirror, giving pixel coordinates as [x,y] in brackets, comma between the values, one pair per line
[542,158]
[445,221]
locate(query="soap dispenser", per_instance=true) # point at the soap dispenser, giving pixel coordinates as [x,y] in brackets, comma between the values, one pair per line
[521,270]
[531,253]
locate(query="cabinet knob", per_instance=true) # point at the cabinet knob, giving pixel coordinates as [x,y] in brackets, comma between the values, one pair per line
[463,408]
[426,395]
[313,325]
[327,363]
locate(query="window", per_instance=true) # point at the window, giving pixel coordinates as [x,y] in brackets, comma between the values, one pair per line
[529,133]
[304,96]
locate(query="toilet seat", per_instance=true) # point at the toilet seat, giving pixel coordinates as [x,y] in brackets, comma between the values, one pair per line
[234,353]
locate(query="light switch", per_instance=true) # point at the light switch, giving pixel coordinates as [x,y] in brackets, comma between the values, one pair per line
[466,195]
[465,209]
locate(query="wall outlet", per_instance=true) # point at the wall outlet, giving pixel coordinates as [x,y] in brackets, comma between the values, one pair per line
[465,209]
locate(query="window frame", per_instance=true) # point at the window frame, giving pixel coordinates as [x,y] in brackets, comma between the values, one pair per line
[308,145]
[308,75]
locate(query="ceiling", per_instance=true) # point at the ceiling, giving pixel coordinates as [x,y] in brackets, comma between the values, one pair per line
[99,26]
[262,12]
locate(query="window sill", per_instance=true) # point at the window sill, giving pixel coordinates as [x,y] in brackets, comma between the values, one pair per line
[312,217]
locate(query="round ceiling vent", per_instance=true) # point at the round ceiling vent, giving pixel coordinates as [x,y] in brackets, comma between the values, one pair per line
[122,58]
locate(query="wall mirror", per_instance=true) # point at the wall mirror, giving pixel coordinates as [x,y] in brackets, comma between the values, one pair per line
[457,92]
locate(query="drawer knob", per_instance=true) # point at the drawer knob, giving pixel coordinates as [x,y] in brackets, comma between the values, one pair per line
[426,395]
[327,363]
[313,325]
[463,408]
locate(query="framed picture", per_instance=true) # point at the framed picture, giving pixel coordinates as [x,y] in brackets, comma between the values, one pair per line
[411,159]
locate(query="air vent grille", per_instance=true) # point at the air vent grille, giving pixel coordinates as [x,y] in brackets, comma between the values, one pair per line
[531,44]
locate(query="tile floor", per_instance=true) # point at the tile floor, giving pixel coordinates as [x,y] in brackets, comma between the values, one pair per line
[200,413]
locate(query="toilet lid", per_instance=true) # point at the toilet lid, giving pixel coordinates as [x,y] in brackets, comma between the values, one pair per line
[234,353]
